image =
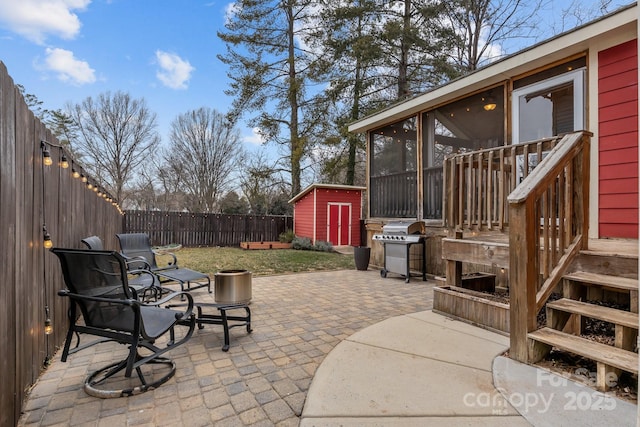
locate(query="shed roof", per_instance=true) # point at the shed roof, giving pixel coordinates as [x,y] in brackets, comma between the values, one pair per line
[327,186]
[556,48]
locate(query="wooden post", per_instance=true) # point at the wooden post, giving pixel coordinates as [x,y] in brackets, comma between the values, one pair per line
[523,268]
[454,268]
[581,173]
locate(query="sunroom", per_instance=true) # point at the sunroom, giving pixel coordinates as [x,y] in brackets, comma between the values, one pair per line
[547,90]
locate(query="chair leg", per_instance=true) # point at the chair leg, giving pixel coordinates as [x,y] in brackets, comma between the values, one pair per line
[225,327]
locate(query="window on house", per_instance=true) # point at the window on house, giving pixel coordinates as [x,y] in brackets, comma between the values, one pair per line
[548,107]
[393,187]
[469,124]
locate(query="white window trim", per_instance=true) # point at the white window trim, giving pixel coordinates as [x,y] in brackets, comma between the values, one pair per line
[579,106]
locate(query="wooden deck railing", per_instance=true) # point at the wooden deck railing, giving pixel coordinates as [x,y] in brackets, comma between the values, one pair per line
[477,183]
[548,225]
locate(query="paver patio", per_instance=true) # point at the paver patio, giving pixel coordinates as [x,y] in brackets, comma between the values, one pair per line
[263,379]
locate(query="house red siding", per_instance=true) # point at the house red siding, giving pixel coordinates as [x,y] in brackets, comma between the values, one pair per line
[618,141]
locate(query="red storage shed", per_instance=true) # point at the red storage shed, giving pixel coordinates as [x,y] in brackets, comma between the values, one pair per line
[328,212]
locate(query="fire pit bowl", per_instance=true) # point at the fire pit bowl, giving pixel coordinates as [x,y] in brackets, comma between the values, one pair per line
[233,286]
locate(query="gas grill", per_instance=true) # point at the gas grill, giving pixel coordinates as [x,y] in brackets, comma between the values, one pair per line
[397,238]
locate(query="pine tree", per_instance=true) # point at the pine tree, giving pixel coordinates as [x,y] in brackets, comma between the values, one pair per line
[268,69]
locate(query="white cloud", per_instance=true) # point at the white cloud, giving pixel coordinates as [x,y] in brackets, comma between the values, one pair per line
[255,138]
[230,11]
[174,72]
[68,68]
[35,19]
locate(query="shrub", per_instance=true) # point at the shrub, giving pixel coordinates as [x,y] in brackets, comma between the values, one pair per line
[323,246]
[304,243]
[286,236]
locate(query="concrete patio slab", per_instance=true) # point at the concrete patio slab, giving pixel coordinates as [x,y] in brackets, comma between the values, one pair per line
[460,326]
[359,380]
[436,337]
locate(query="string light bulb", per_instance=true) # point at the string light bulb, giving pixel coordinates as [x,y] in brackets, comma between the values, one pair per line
[64,163]
[48,327]
[46,155]
[47,243]
[75,173]
[83,177]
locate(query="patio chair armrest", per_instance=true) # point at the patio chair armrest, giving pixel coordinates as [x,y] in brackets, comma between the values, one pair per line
[171,264]
[127,302]
[136,260]
[169,297]
[141,271]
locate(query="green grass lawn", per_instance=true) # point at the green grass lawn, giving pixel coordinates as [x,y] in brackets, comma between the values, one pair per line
[259,262]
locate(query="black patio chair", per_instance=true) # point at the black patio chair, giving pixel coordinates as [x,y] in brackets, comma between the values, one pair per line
[97,285]
[136,248]
[141,279]
[94,243]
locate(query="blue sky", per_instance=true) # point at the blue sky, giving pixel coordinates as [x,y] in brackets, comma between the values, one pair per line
[161,50]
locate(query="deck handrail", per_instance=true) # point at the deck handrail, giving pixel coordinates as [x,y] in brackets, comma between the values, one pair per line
[548,225]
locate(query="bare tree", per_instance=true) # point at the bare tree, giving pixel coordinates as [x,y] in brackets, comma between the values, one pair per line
[204,151]
[115,136]
[263,187]
[576,13]
[483,26]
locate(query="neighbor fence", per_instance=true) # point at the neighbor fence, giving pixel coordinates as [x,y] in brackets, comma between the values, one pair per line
[35,197]
[205,229]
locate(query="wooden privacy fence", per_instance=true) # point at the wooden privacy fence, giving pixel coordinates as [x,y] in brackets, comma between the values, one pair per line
[34,196]
[205,229]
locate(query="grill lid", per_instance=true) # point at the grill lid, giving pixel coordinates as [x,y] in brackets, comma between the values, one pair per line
[404,227]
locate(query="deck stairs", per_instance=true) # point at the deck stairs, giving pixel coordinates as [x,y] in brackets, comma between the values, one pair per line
[603,276]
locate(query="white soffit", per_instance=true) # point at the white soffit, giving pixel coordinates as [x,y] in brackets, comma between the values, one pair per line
[551,50]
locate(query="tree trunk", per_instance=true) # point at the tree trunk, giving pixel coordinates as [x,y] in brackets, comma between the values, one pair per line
[403,85]
[297,143]
[355,115]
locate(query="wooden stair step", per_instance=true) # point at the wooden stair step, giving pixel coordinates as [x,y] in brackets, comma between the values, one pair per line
[608,314]
[617,282]
[602,353]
